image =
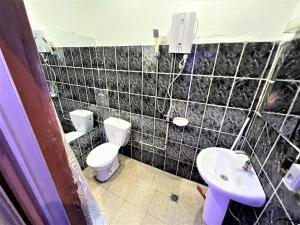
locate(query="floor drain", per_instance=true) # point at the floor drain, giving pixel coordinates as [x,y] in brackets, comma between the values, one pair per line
[174,197]
[224,177]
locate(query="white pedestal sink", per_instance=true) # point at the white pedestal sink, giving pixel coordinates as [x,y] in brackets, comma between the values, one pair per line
[222,170]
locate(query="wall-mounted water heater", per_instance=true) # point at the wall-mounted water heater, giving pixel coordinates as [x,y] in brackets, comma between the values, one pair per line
[182,32]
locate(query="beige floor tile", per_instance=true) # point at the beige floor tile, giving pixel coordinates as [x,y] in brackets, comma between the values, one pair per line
[162,207]
[150,220]
[186,214]
[166,183]
[121,188]
[188,194]
[129,215]
[110,204]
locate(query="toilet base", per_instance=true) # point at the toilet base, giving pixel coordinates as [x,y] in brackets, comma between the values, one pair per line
[103,174]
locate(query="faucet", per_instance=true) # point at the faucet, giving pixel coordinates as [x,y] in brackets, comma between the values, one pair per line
[248,165]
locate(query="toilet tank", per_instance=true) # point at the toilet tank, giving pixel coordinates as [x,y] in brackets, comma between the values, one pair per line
[117,130]
[82,120]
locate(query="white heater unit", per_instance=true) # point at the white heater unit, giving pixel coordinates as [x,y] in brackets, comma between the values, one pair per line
[182,32]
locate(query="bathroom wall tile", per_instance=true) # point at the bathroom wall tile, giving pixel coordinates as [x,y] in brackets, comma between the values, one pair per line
[181,86]
[124,102]
[184,170]
[255,164]
[289,61]
[85,57]
[147,157]
[71,75]
[149,60]
[80,76]
[102,98]
[281,97]
[99,57]
[254,59]
[148,125]
[165,60]
[296,108]
[196,176]
[205,58]
[187,154]
[89,77]
[173,150]
[163,81]
[160,128]
[228,58]
[68,56]
[158,161]
[243,93]
[136,153]
[213,117]
[102,113]
[135,82]
[225,140]
[290,201]
[148,106]
[109,57]
[290,127]
[162,107]
[113,99]
[274,213]
[195,113]
[199,89]
[123,81]
[91,95]
[124,115]
[66,93]
[76,57]
[175,133]
[159,145]
[93,57]
[267,186]
[255,130]
[95,137]
[234,120]
[85,143]
[147,139]
[190,136]
[149,84]
[273,120]
[127,151]
[171,165]
[281,150]
[99,79]
[207,139]
[122,57]
[178,108]
[64,75]
[220,90]
[112,80]
[135,103]
[135,58]
[265,143]
[75,146]
[82,94]
[271,60]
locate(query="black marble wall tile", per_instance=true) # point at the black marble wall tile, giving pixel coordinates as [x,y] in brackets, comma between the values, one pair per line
[181,87]
[80,76]
[254,59]
[109,57]
[187,154]
[171,165]
[195,176]
[76,57]
[123,81]
[136,153]
[163,81]
[149,84]
[243,93]
[99,57]
[190,136]
[289,61]
[93,57]
[89,77]
[127,151]
[165,60]
[205,58]
[112,80]
[175,133]
[64,75]
[83,94]
[85,143]
[184,170]
[99,79]
[122,57]
[75,146]
[220,90]
[296,108]
[225,140]
[136,103]
[147,139]
[135,82]
[199,88]
[234,120]
[135,58]
[173,150]
[160,128]
[91,95]
[68,56]
[159,145]
[102,97]
[195,113]
[281,150]
[228,58]
[66,93]
[213,117]
[148,106]
[85,57]
[148,125]
[267,186]
[158,161]
[75,93]
[147,157]
[207,139]
[281,97]
[273,54]
[149,60]
[113,99]
[255,130]
[178,108]
[162,107]
[124,101]
[72,76]
[96,137]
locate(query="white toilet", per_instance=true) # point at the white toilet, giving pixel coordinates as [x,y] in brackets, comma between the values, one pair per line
[82,121]
[104,158]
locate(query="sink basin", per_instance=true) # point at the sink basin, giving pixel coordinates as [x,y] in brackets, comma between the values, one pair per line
[222,170]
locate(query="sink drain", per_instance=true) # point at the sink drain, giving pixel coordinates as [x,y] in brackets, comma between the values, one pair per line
[224,177]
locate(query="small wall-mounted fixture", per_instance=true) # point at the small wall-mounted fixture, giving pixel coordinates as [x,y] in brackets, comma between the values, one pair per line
[292,178]
[41,42]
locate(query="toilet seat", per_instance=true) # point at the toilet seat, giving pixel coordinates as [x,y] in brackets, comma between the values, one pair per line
[102,155]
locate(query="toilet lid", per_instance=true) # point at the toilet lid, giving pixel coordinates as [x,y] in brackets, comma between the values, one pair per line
[102,155]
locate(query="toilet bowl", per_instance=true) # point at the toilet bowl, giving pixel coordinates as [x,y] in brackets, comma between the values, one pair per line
[104,158]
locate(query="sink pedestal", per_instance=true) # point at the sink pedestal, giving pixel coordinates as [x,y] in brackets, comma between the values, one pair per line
[215,207]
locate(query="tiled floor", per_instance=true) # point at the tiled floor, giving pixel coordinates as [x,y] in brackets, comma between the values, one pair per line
[140,194]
